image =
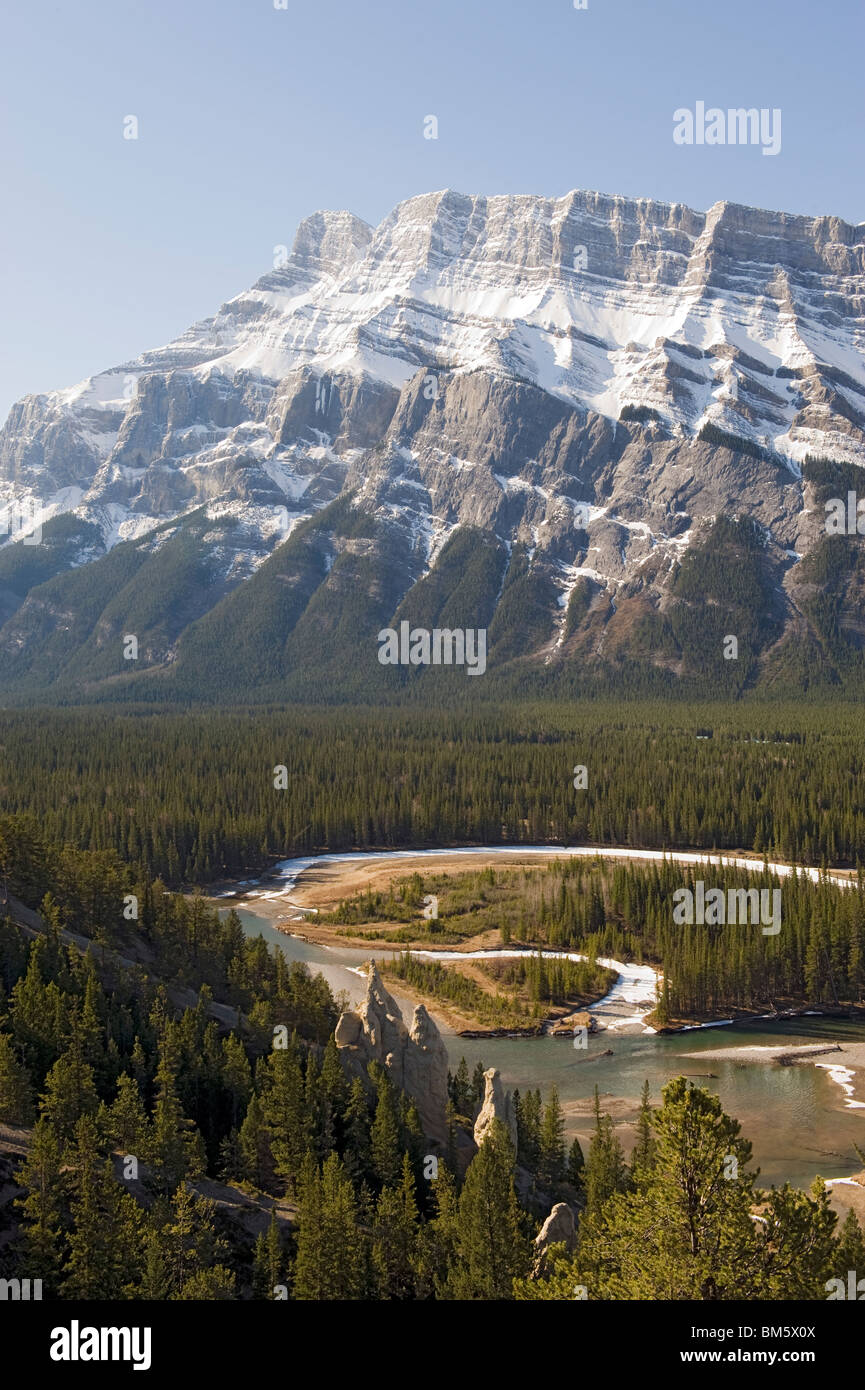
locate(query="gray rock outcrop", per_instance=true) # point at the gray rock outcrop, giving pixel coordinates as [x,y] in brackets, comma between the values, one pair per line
[558,1229]
[496,1105]
[416,1058]
[425,1071]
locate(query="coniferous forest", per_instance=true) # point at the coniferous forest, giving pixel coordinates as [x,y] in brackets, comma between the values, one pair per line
[167,1148]
[432,690]
[196,796]
[178,1123]
[625,911]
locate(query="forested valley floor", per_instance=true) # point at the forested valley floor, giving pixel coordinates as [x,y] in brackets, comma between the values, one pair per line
[154,1141]
[198,796]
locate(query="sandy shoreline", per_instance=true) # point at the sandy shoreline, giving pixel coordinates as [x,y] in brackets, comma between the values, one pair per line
[844,1063]
[320,881]
[325,882]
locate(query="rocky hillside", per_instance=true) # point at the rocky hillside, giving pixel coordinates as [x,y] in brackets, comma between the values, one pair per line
[602,430]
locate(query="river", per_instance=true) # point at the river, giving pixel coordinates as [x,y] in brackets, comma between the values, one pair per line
[797,1117]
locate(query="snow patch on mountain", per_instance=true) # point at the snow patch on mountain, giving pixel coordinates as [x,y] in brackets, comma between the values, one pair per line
[750,320]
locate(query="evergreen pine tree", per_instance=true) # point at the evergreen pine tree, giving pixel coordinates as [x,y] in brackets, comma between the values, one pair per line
[236,1075]
[194,1253]
[155,1281]
[451,1144]
[551,1167]
[478,1088]
[606,1171]
[286,1113]
[395,1237]
[529,1131]
[413,1138]
[688,1232]
[576,1163]
[105,1240]
[317,1108]
[70,1093]
[331,1261]
[438,1239]
[796,1246]
[334,1082]
[643,1156]
[268,1260]
[254,1143]
[175,1148]
[127,1120]
[492,1249]
[357,1152]
[40,1207]
[16,1095]
[461,1089]
[384,1138]
[849,1252]
[36,1016]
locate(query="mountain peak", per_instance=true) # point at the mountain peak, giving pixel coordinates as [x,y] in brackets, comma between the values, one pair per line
[326,241]
[527,413]
[748,320]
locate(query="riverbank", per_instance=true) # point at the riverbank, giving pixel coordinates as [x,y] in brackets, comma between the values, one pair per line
[309,888]
[492,995]
[795,1116]
[301,897]
[329,878]
[845,1067]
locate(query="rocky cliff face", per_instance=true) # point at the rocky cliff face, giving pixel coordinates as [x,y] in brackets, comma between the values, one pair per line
[415,1057]
[539,371]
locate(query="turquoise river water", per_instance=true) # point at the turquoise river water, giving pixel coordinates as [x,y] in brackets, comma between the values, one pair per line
[795,1116]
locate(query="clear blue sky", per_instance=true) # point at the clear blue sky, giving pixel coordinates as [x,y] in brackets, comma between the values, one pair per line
[252,117]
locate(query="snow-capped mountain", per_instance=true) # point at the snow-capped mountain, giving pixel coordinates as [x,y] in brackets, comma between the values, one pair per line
[588,382]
